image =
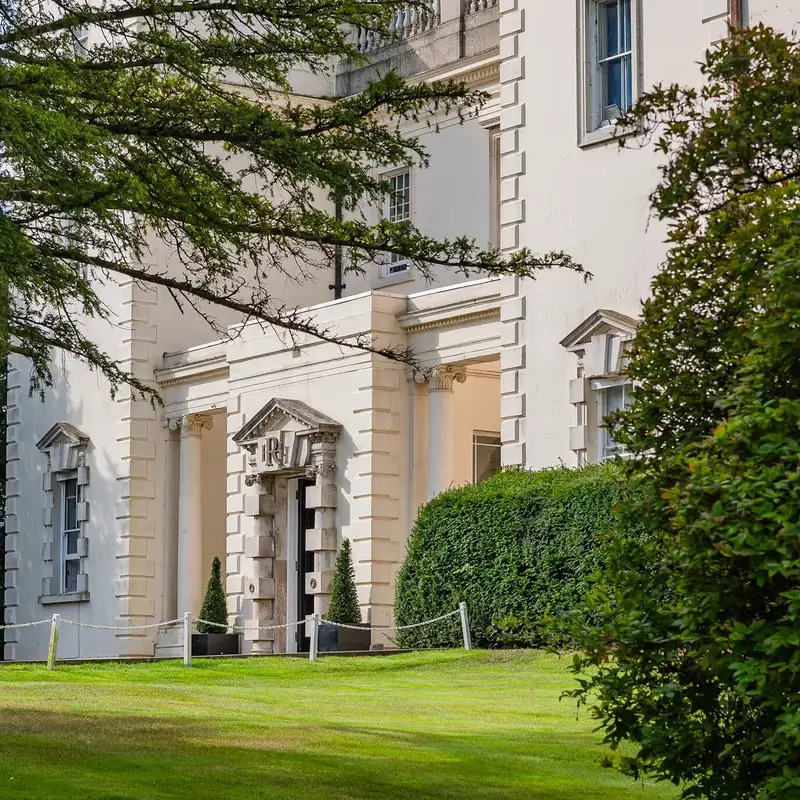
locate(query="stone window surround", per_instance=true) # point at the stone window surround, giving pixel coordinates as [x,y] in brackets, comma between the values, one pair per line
[65,448]
[599,338]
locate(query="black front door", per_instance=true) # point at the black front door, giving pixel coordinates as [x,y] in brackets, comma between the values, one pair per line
[305,564]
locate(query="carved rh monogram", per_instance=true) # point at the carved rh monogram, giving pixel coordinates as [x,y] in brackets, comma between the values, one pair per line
[285,450]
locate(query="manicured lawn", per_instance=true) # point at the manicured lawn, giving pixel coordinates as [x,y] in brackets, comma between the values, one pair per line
[434,725]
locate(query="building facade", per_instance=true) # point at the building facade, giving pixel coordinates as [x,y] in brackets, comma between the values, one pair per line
[270,449]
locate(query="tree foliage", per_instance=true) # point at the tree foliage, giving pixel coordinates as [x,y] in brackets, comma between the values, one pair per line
[344,605]
[519,548]
[696,654]
[176,124]
[214,609]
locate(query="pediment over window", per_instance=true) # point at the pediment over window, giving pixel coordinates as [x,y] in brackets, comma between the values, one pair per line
[65,447]
[603,321]
[279,414]
[62,433]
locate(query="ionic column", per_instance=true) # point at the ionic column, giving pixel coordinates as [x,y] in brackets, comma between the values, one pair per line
[190,513]
[441,424]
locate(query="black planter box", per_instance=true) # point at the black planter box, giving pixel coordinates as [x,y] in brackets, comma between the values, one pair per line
[215,644]
[333,639]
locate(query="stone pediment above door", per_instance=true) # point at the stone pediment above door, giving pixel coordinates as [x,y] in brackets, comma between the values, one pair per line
[279,437]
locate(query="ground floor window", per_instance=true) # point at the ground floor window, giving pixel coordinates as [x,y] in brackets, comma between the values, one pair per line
[486,448]
[70,531]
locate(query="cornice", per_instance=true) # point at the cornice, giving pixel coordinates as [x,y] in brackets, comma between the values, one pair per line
[452,320]
[200,376]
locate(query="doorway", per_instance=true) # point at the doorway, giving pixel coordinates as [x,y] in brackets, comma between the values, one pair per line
[304,564]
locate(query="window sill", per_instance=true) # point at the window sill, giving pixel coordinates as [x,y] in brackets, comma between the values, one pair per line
[610,133]
[398,277]
[72,597]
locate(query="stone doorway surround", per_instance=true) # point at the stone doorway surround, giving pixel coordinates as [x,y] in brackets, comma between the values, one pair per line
[286,438]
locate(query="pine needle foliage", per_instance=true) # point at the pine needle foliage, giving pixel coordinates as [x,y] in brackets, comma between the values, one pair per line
[214,609]
[344,605]
[173,129]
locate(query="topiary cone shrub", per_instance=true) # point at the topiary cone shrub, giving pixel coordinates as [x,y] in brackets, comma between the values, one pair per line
[344,606]
[214,608]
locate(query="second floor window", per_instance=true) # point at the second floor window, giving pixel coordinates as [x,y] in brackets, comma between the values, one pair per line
[398,209]
[610,85]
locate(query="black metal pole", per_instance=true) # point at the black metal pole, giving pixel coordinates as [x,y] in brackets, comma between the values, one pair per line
[337,285]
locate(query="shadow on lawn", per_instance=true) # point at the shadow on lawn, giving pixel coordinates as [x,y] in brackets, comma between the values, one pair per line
[52,755]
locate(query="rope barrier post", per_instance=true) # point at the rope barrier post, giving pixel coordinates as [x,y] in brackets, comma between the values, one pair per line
[312,650]
[462,607]
[52,650]
[187,639]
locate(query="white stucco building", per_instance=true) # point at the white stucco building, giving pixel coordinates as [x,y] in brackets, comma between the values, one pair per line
[268,451]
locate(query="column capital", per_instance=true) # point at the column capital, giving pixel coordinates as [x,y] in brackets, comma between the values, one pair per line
[442,377]
[190,424]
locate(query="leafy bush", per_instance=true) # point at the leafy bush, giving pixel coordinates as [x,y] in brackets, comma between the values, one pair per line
[344,606]
[695,654]
[518,549]
[214,607]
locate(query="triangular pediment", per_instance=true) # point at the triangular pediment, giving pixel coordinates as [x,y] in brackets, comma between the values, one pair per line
[63,433]
[602,321]
[278,412]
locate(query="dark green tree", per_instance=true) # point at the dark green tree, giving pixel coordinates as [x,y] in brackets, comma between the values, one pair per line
[214,609]
[696,658]
[344,597]
[176,124]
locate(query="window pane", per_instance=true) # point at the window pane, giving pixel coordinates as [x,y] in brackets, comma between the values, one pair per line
[71,575]
[609,37]
[626,26]
[71,542]
[486,457]
[612,83]
[70,513]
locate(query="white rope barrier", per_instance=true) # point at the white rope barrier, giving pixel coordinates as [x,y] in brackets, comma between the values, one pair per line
[122,627]
[397,627]
[314,621]
[25,624]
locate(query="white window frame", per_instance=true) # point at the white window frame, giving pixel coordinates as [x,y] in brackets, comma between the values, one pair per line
[591,127]
[400,269]
[475,445]
[64,481]
[607,448]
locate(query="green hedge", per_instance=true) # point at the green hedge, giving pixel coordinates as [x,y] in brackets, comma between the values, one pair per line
[517,548]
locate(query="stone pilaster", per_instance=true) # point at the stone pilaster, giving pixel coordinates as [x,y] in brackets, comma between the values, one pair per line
[259,548]
[234,545]
[322,497]
[138,430]
[512,217]
[12,555]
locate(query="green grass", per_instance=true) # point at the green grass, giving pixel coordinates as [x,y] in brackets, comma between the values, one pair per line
[433,725]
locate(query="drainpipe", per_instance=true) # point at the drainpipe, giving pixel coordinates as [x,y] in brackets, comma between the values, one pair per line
[737,15]
[337,285]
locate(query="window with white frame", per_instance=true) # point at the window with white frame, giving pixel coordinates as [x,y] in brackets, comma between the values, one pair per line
[610,64]
[612,395]
[486,452]
[69,492]
[398,209]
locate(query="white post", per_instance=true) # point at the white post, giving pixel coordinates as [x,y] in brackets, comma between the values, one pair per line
[462,607]
[312,650]
[187,639]
[52,651]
